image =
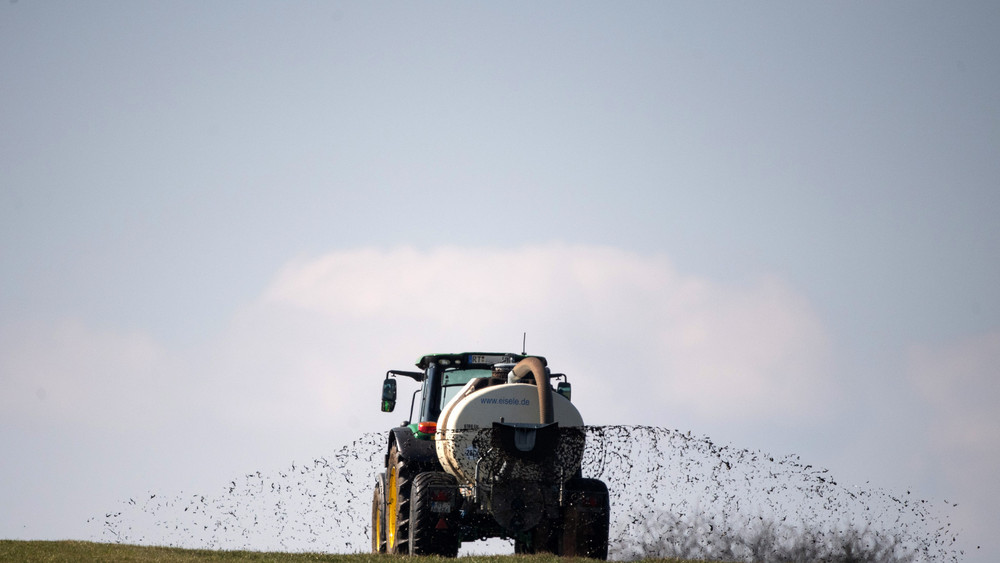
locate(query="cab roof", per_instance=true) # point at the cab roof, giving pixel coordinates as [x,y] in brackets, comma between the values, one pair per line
[471,360]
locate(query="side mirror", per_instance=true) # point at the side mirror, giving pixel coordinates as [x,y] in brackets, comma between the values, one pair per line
[565,389]
[388,395]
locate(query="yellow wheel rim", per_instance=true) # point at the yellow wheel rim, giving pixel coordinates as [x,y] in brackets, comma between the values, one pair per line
[379,518]
[390,512]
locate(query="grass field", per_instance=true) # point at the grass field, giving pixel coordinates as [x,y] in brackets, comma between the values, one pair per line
[69,551]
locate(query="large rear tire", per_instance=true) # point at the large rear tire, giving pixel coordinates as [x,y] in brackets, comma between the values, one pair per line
[433,526]
[397,504]
[586,519]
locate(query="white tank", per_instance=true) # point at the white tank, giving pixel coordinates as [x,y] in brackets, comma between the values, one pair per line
[471,411]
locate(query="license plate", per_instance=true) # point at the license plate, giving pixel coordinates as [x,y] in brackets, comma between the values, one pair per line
[482,359]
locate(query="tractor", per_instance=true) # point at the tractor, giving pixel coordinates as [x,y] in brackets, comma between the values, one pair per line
[494,452]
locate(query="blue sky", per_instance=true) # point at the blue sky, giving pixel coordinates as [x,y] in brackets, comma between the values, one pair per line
[774,224]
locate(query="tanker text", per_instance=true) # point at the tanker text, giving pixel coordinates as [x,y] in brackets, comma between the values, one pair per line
[502,401]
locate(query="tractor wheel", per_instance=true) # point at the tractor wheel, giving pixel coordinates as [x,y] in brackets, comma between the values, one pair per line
[378,515]
[397,504]
[586,519]
[433,526]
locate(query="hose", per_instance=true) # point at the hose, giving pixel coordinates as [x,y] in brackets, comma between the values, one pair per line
[535,367]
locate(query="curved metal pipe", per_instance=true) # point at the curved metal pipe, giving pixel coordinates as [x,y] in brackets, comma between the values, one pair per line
[535,367]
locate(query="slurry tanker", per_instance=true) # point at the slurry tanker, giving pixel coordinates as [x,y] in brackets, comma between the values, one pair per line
[494,451]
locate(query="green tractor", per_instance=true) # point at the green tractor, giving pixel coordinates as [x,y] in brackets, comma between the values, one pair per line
[494,451]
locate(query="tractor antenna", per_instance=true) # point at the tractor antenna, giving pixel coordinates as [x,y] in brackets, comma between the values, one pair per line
[524,341]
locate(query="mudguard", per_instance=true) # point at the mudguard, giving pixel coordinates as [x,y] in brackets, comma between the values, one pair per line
[411,448]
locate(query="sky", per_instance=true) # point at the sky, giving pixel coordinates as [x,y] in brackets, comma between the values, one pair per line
[771,223]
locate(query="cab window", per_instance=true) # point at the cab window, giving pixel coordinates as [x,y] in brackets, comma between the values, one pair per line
[454,380]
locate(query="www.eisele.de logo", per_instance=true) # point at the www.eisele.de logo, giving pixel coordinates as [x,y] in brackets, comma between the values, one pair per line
[505,401]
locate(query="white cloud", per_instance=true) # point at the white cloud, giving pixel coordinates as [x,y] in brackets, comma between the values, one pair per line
[626,324]
[641,342]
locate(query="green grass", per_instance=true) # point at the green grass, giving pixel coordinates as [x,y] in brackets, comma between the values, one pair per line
[68,551]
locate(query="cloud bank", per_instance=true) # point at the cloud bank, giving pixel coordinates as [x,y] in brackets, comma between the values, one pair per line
[626,323]
[639,338]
